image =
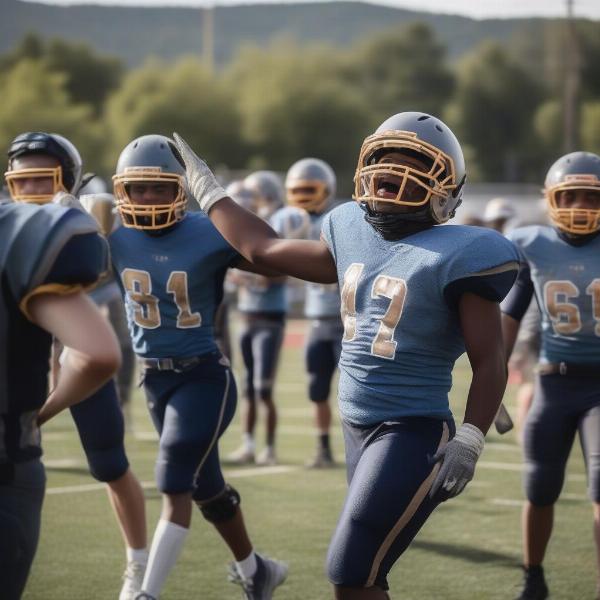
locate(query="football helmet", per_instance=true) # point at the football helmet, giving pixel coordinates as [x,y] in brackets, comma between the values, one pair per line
[574,171]
[310,184]
[65,178]
[241,195]
[150,159]
[268,192]
[436,186]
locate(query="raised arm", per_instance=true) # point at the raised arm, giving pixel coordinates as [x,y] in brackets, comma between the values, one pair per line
[254,239]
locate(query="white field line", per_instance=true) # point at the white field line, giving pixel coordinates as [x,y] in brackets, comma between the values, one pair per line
[233,473]
[501,466]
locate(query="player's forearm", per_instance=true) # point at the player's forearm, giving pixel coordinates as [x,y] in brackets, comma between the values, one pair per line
[486,391]
[80,376]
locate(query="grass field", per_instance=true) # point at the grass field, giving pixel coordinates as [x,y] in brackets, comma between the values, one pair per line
[469,549]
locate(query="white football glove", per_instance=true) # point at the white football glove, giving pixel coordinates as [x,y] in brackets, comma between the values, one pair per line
[458,458]
[200,179]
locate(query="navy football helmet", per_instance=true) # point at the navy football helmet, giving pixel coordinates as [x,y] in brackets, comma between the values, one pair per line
[574,171]
[65,178]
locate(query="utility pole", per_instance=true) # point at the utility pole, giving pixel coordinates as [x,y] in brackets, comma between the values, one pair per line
[571,82]
[208,37]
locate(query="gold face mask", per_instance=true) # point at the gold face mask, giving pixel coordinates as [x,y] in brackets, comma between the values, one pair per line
[14,179]
[148,216]
[576,221]
[439,180]
[309,194]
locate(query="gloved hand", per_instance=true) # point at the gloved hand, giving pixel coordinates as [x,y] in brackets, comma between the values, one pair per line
[200,179]
[458,458]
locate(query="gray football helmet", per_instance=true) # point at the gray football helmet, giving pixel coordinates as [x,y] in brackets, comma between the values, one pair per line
[268,192]
[574,171]
[438,183]
[310,184]
[66,177]
[150,159]
[241,195]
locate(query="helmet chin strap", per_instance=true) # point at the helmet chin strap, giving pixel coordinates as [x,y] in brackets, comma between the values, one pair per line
[395,226]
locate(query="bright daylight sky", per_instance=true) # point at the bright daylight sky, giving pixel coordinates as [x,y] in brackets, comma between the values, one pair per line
[477,9]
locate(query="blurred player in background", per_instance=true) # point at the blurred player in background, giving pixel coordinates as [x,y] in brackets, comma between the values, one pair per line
[414,296]
[48,256]
[171,265]
[262,304]
[560,266]
[44,168]
[310,184]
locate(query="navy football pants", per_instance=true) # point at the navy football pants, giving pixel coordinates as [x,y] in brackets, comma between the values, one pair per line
[190,411]
[390,474]
[562,406]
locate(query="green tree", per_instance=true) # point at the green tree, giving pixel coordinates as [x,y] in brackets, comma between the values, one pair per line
[402,69]
[294,104]
[183,97]
[35,99]
[590,127]
[492,112]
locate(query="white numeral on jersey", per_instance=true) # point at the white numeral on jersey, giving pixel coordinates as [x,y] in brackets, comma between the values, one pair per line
[348,301]
[138,286]
[146,314]
[392,288]
[594,291]
[565,315]
[177,285]
[395,289]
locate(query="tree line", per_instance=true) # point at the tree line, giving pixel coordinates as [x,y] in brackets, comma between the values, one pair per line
[270,106]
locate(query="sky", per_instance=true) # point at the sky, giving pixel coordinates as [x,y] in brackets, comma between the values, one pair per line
[476,9]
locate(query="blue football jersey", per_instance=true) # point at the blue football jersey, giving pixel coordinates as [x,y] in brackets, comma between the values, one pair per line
[566,280]
[322,300]
[402,333]
[172,284]
[45,248]
[258,293]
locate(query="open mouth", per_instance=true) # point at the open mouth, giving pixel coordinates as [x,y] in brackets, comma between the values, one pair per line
[388,187]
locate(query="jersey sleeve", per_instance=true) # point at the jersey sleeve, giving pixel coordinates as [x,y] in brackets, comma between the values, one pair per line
[60,251]
[327,234]
[486,266]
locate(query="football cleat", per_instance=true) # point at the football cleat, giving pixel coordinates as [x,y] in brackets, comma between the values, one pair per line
[534,585]
[241,456]
[269,574]
[322,460]
[132,580]
[267,458]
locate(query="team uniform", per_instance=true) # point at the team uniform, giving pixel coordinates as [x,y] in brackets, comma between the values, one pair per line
[564,279]
[42,249]
[323,347]
[402,336]
[172,284]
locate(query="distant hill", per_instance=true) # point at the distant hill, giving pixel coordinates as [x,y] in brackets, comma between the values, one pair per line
[135,33]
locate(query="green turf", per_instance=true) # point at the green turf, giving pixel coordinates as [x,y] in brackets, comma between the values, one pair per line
[469,549]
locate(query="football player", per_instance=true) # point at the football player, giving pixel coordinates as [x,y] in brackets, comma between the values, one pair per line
[310,184]
[560,266]
[262,304]
[44,168]
[414,296]
[171,266]
[48,256]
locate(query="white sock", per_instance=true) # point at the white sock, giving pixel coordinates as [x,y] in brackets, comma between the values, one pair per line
[167,544]
[138,555]
[247,567]
[249,442]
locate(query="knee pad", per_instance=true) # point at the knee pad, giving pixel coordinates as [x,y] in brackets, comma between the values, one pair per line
[108,465]
[223,507]
[543,483]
